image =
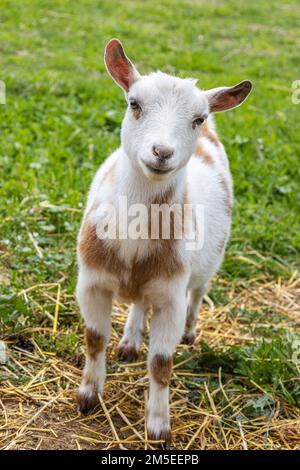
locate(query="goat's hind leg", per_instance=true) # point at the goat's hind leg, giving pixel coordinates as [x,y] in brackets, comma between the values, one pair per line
[131,341]
[195,299]
[95,305]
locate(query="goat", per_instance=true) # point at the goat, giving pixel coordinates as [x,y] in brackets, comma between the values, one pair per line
[170,153]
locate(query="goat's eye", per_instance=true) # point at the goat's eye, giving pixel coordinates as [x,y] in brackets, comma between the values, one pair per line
[134,104]
[135,108]
[198,121]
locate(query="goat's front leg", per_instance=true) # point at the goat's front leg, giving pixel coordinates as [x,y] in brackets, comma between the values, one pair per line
[95,305]
[133,333]
[166,331]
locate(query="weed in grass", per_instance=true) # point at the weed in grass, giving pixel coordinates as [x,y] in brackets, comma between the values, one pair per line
[271,365]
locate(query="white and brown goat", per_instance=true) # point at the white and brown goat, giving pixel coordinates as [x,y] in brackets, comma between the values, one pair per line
[169,153]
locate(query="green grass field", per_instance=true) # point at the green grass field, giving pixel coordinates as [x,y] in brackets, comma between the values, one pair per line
[62,119]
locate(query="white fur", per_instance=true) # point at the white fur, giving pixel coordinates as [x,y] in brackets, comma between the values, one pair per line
[134,327]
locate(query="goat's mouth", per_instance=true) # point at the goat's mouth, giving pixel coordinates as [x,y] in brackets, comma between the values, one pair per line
[157,170]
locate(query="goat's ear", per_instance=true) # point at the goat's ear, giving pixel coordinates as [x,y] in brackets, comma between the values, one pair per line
[223,98]
[119,66]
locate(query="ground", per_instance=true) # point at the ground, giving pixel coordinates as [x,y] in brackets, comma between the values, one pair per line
[238,387]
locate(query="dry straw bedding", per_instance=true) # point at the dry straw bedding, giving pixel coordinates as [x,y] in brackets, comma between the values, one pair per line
[41,412]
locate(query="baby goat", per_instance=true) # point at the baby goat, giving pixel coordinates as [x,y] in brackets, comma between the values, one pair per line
[169,153]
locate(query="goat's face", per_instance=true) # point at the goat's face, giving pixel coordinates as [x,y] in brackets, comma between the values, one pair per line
[162,122]
[164,113]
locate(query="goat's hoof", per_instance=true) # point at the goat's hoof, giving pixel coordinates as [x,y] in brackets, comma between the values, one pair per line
[87,403]
[127,353]
[164,436]
[189,338]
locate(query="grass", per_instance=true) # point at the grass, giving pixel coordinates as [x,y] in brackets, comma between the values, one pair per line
[62,118]
[266,362]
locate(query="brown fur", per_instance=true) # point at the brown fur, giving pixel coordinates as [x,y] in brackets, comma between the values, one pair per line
[164,198]
[86,404]
[98,255]
[189,338]
[95,343]
[161,368]
[161,199]
[137,112]
[127,353]
[210,134]
[206,157]
[95,252]
[189,318]
[164,436]
[162,261]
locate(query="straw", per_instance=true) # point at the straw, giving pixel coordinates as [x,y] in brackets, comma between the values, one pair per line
[38,388]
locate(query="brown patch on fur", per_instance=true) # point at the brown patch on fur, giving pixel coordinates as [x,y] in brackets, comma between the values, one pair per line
[164,198]
[210,134]
[95,343]
[137,112]
[161,368]
[206,157]
[165,436]
[127,353]
[189,318]
[188,338]
[160,200]
[228,197]
[166,248]
[98,255]
[86,404]
[162,261]
[95,252]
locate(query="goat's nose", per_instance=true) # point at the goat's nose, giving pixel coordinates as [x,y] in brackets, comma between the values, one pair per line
[162,151]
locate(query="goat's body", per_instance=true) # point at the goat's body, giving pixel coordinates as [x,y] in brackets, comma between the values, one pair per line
[200,183]
[152,272]
[170,156]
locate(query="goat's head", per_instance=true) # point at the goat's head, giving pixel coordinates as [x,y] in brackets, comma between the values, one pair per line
[161,124]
